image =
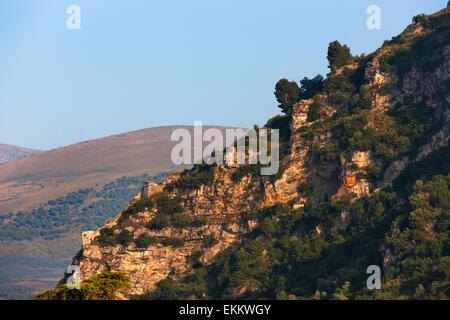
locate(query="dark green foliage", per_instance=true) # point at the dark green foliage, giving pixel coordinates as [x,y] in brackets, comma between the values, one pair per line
[338,56]
[193,178]
[343,204]
[279,264]
[210,241]
[310,87]
[419,240]
[386,62]
[402,130]
[287,94]
[181,220]
[194,258]
[244,170]
[138,206]
[103,286]
[159,222]
[166,205]
[268,228]
[436,162]
[199,222]
[174,242]
[419,18]
[282,124]
[341,88]
[144,240]
[305,189]
[426,53]
[107,237]
[166,289]
[124,237]
[315,109]
[169,213]
[415,123]
[326,153]
[86,209]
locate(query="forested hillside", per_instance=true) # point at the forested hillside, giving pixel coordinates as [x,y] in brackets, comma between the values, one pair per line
[363,180]
[35,245]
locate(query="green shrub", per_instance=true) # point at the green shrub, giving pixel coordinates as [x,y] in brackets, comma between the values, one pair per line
[144,240]
[194,257]
[210,241]
[107,237]
[166,205]
[138,206]
[326,153]
[268,228]
[102,286]
[305,189]
[199,222]
[200,174]
[173,242]
[166,289]
[315,109]
[386,62]
[159,222]
[181,220]
[124,237]
[244,170]
[342,204]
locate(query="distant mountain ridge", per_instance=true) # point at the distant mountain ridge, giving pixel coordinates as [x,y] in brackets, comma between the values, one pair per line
[9,152]
[28,182]
[47,200]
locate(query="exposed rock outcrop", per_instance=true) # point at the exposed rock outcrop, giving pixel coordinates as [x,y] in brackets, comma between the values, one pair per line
[227,199]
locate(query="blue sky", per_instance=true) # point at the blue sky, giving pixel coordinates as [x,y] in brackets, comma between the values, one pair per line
[137,64]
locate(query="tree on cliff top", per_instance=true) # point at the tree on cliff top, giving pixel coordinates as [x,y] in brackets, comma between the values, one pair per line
[310,87]
[287,94]
[338,56]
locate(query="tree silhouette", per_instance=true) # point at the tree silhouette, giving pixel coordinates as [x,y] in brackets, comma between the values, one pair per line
[338,56]
[287,94]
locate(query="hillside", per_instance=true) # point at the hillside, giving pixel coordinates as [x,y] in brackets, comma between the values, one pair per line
[8,152]
[47,199]
[364,180]
[28,182]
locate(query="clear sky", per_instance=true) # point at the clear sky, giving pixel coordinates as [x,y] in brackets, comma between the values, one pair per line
[137,64]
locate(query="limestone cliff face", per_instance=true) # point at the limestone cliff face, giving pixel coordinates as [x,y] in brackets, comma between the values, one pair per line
[224,204]
[227,203]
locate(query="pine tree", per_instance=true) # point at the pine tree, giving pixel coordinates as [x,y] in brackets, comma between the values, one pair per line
[338,56]
[287,94]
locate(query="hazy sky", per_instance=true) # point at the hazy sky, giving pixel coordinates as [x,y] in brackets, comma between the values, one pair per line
[136,64]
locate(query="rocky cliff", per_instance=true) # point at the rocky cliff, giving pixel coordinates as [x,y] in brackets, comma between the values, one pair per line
[193,216]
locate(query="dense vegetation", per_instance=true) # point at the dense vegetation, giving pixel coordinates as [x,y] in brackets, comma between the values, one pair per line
[308,253]
[103,286]
[314,252]
[288,259]
[193,178]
